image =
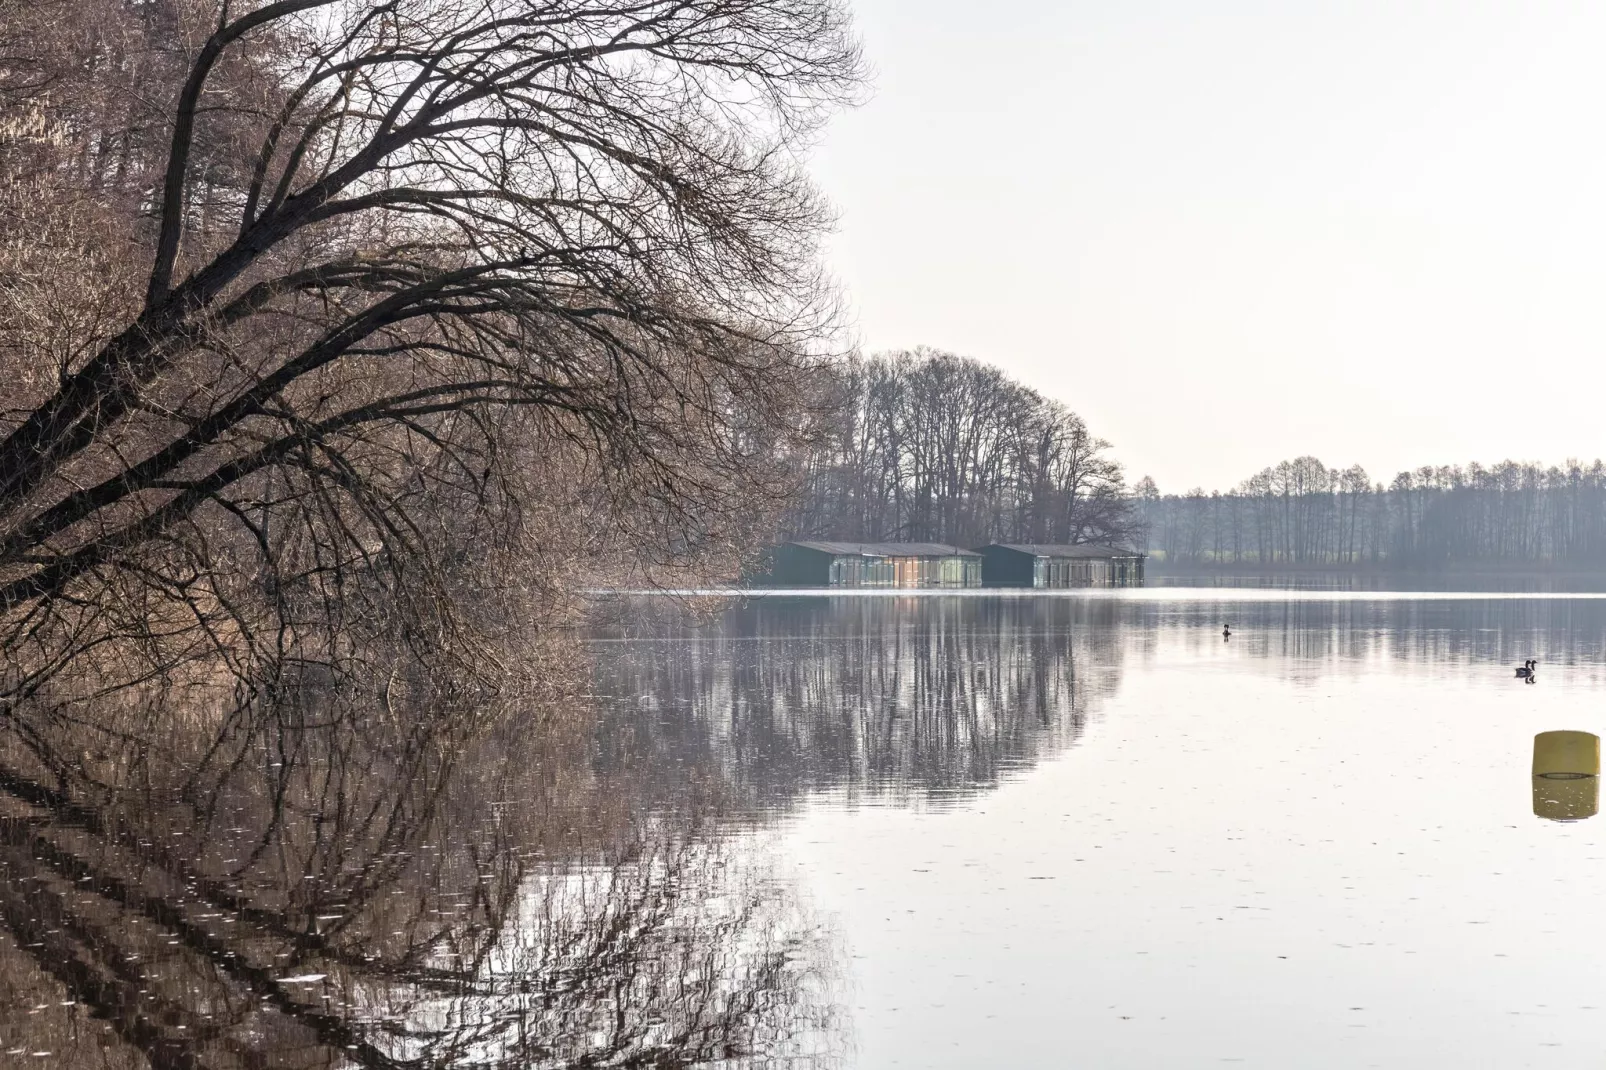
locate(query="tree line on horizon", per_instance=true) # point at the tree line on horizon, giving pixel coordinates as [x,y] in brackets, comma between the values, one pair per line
[924,445]
[927,446]
[1301,513]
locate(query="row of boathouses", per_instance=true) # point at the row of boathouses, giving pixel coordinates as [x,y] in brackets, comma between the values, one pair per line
[931,564]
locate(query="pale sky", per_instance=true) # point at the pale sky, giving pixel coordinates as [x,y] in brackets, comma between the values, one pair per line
[1229,232]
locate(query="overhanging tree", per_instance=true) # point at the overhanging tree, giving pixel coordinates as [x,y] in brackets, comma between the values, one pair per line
[405,286]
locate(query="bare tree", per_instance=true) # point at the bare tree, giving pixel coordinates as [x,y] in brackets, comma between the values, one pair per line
[932,446]
[402,292]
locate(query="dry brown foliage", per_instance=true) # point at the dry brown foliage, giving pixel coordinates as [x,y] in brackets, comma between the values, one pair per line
[346,337]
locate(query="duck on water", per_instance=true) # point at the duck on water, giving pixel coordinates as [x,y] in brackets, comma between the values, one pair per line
[1527,669]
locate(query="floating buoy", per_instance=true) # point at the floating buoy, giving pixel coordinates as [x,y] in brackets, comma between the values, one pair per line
[1569,799]
[1566,754]
[1566,775]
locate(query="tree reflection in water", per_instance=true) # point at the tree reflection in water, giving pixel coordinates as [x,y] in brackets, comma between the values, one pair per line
[301,886]
[327,876]
[927,697]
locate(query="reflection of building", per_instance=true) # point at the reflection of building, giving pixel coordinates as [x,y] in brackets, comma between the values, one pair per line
[934,697]
[875,564]
[1080,565]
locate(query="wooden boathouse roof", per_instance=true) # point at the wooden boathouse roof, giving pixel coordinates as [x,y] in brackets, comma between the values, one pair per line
[887,549]
[1081,550]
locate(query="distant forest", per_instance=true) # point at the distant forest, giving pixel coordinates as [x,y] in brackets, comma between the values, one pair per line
[1301,513]
[927,446]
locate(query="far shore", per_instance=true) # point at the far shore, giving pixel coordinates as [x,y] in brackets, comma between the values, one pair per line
[1159,567]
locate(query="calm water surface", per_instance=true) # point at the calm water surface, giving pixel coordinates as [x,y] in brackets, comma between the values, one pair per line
[859,832]
[1088,831]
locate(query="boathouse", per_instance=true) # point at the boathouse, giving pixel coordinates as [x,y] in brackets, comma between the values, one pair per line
[875,564]
[1054,566]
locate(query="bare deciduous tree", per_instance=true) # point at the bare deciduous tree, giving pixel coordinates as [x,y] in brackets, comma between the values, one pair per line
[388,300]
[930,446]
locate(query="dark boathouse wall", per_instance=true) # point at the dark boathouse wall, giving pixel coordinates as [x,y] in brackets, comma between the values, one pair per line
[1002,566]
[801,566]
[1056,567]
[909,565]
[874,564]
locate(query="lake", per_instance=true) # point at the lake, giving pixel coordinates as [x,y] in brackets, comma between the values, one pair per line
[1086,830]
[861,831]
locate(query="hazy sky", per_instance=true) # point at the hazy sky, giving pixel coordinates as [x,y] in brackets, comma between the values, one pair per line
[1231,232]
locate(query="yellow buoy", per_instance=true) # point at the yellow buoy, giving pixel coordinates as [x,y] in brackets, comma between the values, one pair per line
[1566,754]
[1566,799]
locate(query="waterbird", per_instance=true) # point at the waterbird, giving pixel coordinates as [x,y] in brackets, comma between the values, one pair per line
[1226,631]
[1527,668]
